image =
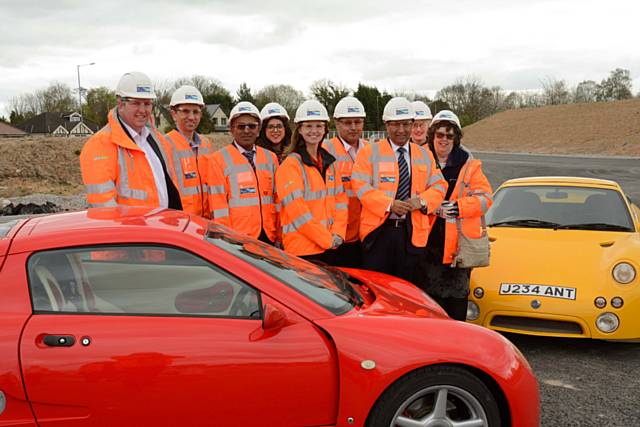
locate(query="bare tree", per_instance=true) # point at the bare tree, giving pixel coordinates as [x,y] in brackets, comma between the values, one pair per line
[328,93]
[285,95]
[555,92]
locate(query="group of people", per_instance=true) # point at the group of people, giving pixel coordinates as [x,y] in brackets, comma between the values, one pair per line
[395,206]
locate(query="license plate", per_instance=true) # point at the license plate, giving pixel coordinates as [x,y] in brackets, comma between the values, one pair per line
[538,290]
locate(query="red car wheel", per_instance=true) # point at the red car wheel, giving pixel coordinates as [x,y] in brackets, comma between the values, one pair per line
[436,396]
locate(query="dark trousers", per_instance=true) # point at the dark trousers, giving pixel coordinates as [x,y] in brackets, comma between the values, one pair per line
[388,251]
[456,308]
[325,257]
[348,255]
[263,237]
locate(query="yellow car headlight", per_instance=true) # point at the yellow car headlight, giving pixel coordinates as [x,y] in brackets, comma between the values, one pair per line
[624,273]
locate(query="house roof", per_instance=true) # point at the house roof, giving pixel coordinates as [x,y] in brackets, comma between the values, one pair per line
[212,108]
[8,130]
[50,121]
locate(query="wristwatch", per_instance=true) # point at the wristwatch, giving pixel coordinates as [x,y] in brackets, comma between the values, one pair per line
[423,207]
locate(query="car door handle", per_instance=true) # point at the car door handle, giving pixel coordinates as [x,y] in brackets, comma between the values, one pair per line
[59,340]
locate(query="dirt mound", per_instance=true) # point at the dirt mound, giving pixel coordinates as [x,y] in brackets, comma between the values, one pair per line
[48,165]
[602,128]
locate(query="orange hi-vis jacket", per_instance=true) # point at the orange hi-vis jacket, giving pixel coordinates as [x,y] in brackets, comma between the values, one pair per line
[241,198]
[375,180]
[312,207]
[190,170]
[115,171]
[473,194]
[344,163]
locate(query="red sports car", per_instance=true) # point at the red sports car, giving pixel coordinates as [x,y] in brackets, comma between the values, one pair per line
[137,317]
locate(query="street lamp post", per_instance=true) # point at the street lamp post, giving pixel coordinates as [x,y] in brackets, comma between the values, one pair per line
[80,88]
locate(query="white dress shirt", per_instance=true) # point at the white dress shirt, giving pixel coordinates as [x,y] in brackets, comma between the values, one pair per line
[407,158]
[350,149]
[154,162]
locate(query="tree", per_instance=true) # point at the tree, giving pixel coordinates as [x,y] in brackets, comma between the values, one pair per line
[285,95]
[555,92]
[469,99]
[616,87]
[244,94]
[56,98]
[373,102]
[586,91]
[328,93]
[100,101]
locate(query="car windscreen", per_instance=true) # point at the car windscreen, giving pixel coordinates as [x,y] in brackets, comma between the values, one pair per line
[312,281]
[560,207]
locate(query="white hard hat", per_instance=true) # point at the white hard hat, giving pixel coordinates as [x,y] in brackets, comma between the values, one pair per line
[135,85]
[244,107]
[446,116]
[273,109]
[309,110]
[398,108]
[349,106]
[422,110]
[186,95]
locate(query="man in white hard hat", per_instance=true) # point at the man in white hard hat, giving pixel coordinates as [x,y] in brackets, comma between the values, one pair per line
[241,179]
[398,185]
[191,150]
[421,122]
[128,162]
[349,116]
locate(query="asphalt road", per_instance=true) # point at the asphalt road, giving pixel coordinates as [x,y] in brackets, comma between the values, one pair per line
[582,382]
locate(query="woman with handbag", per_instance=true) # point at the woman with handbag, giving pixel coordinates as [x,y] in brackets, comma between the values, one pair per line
[457,241]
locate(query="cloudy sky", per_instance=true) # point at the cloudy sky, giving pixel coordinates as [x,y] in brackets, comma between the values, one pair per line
[417,46]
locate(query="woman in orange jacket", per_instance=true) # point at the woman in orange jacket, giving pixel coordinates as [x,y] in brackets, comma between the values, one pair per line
[313,212]
[467,199]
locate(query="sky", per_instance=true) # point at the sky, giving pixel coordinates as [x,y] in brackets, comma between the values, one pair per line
[416,46]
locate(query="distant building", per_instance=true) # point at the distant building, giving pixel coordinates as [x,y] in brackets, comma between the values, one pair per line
[219,119]
[7,130]
[59,124]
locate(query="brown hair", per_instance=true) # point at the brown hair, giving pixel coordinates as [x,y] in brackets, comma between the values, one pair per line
[448,126]
[297,141]
[264,142]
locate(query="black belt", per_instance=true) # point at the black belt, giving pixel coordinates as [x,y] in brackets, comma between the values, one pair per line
[395,222]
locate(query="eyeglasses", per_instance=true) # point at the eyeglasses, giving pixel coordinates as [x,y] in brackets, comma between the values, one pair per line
[136,103]
[396,125]
[351,122]
[187,111]
[247,126]
[275,127]
[442,135]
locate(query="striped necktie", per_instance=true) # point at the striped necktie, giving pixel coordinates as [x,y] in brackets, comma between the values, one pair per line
[249,156]
[404,186]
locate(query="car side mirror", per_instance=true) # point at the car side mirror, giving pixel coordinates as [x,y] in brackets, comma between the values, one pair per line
[214,299]
[273,318]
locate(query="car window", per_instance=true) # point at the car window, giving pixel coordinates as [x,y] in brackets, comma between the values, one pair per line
[140,280]
[561,205]
[312,281]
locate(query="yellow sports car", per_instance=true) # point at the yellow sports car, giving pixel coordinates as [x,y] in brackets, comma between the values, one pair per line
[565,255]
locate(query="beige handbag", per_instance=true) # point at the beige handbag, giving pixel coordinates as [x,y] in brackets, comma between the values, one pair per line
[472,252]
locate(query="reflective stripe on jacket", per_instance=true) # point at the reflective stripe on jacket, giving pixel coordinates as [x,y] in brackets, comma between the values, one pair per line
[344,163]
[375,182]
[240,197]
[473,194]
[115,171]
[190,171]
[313,207]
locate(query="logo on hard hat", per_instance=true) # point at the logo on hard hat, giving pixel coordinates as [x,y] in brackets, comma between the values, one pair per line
[273,110]
[190,96]
[353,109]
[143,89]
[244,109]
[313,113]
[401,111]
[420,113]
